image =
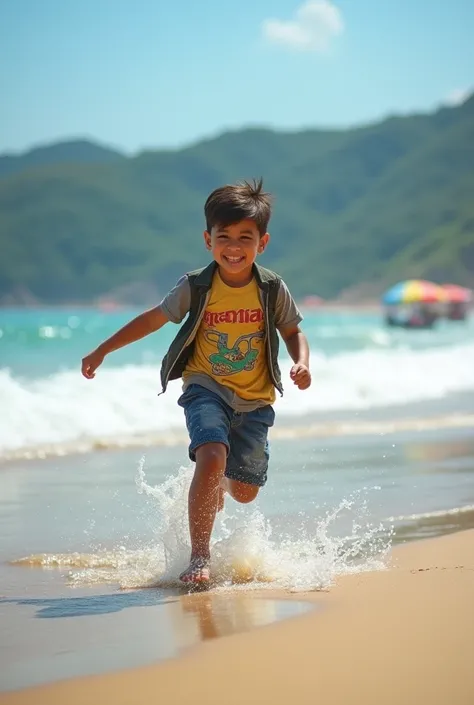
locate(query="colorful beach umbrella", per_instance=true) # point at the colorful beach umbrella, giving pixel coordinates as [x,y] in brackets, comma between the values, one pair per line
[457,294]
[414,291]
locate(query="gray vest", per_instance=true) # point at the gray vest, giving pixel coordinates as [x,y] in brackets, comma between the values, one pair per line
[200,281]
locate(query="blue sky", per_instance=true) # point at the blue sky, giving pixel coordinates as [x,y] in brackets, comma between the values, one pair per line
[151,73]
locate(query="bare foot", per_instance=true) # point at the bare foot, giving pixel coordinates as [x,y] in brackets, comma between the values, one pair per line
[197,571]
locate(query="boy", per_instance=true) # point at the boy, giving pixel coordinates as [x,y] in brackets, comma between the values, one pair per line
[227,355]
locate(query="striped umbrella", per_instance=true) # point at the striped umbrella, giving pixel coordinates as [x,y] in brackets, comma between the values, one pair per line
[457,294]
[414,291]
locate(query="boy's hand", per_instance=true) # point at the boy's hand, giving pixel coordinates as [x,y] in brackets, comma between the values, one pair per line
[91,362]
[300,375]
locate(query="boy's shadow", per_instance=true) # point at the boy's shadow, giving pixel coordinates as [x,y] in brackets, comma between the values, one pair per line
[57,607]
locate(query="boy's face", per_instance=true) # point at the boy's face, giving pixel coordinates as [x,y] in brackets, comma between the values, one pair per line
[235,247]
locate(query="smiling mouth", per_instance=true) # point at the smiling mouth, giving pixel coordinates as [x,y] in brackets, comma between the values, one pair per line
[233,260]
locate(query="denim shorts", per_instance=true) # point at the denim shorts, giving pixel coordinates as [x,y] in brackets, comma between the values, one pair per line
[210,420]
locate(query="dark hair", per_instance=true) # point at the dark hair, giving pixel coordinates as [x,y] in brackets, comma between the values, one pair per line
[231,204]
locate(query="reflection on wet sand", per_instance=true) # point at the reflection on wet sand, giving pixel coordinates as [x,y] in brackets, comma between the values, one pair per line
[51,638]
[221,615]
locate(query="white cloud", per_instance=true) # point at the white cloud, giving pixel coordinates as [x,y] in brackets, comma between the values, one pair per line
[457,96]
[316,23]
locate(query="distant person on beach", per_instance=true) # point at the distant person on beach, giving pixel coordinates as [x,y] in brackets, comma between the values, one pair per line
[226,352]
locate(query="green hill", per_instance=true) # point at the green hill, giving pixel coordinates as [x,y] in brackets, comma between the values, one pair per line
[369,205]
[70,152]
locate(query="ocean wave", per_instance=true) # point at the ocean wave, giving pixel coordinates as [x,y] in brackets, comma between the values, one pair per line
[121,406]
[437,514]
[175,437]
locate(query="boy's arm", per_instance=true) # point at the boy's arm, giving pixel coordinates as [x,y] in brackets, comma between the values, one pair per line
[287,320]
[139,327]
[298,349]
[136,329]
[173,308]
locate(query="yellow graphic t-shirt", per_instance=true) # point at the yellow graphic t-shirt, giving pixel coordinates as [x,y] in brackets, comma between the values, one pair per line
[230,344]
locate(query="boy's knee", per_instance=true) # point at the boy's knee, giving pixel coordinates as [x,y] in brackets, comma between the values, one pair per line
[241,491]
[212,457]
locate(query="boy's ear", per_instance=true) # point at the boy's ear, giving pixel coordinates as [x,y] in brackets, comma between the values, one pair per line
[264,240]
[207,239]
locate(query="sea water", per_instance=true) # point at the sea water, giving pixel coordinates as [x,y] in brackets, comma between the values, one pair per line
[358,367]
[372,445]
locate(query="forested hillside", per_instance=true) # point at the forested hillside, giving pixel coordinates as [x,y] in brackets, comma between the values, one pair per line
[368,205]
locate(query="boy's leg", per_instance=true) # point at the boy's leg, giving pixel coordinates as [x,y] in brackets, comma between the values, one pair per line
[247,462]
[203,496]
[208,423]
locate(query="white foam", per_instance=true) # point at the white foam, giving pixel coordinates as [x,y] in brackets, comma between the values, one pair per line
[243,551]
[432,515]
[124,401]
[375,378]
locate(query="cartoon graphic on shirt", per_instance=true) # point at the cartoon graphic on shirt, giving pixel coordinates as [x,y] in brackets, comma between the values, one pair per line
[229,360]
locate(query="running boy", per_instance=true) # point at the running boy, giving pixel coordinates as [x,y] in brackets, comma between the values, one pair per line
[227,355]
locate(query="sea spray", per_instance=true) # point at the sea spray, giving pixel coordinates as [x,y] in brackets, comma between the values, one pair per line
[246,552]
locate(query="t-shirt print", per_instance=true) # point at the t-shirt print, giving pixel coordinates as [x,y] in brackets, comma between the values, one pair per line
[234,354]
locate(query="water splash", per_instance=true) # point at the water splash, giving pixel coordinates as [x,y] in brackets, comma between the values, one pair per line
[245,551]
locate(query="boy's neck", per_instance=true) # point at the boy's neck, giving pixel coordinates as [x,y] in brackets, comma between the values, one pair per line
[236,280]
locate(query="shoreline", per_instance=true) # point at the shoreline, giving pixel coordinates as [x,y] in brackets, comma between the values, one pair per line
[401,635]
[342,428]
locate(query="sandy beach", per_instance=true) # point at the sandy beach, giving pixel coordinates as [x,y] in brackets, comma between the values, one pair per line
[403,635]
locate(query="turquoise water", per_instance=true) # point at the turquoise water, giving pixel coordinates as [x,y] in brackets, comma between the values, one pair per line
[44,341]
[358,365]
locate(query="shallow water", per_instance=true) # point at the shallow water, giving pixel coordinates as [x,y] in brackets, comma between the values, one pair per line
[106,501]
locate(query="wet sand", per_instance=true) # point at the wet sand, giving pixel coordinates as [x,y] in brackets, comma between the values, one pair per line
[404,635]
[99,631]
